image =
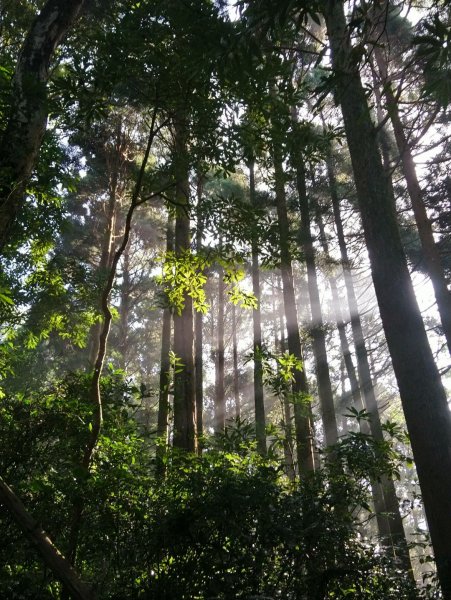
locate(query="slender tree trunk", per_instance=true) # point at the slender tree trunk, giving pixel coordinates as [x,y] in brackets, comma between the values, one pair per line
[199,329]
[260,418]
[236,381]
[385,523]
[336,302]
[27,121]
[288,446]
[184,385]
[220,416]
[51,556]
[422,394]
[165,365]
[319,340]
[431,252]
[107,247]
[95,395]
[386,506]
[302,409]
[125,309]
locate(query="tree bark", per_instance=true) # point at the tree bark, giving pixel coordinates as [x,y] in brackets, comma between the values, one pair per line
[199,329]
[431,252]
[390,527]
[260,418]
[287,418]
[423,397]
[124,313]
[184,384]
[27,121]
[95,395]
[219,417]
[302,409]
[236,381]
[51,556]
[319,340]
[107,248]
[165,365]
[386,505]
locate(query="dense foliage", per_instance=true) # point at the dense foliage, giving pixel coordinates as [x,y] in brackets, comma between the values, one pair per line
[217,222]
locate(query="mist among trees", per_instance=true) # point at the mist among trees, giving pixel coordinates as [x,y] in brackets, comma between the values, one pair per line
[224,298]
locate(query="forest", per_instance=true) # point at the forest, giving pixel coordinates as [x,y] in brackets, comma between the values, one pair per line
[225,260]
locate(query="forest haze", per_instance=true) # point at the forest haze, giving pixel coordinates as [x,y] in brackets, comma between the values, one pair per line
[225,241]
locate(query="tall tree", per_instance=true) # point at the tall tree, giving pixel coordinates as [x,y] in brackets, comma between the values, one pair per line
[22,137]
[220,407]
[236,381]
[385,501]
[302,410]
[260,421]
[431,253]
[317,329]
[198,324]
[423,397]
[184,384]
[165,365]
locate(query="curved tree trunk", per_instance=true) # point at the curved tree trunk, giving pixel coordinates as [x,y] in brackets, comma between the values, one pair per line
[51,556]
[124,311]
[423,398]
[27,122]
[107,248]
[94,394]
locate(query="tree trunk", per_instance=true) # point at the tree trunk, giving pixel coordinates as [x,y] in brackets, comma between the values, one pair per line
[423,397]
[184,385]
[165,365]
[386,505]
[390,526]
[302,409]
[236,381]
[199,329]
[220,416]
[287,419]
[336,302]
[431,252]
[260,418]
[27,121]
[107,247]
[124,313]
[51,556]
[319,340]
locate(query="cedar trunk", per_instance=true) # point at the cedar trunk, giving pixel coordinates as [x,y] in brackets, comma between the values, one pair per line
[220,416]
[260,418]
[184,385]
[199,328]
[165,365]
[319,340]
[302,409]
